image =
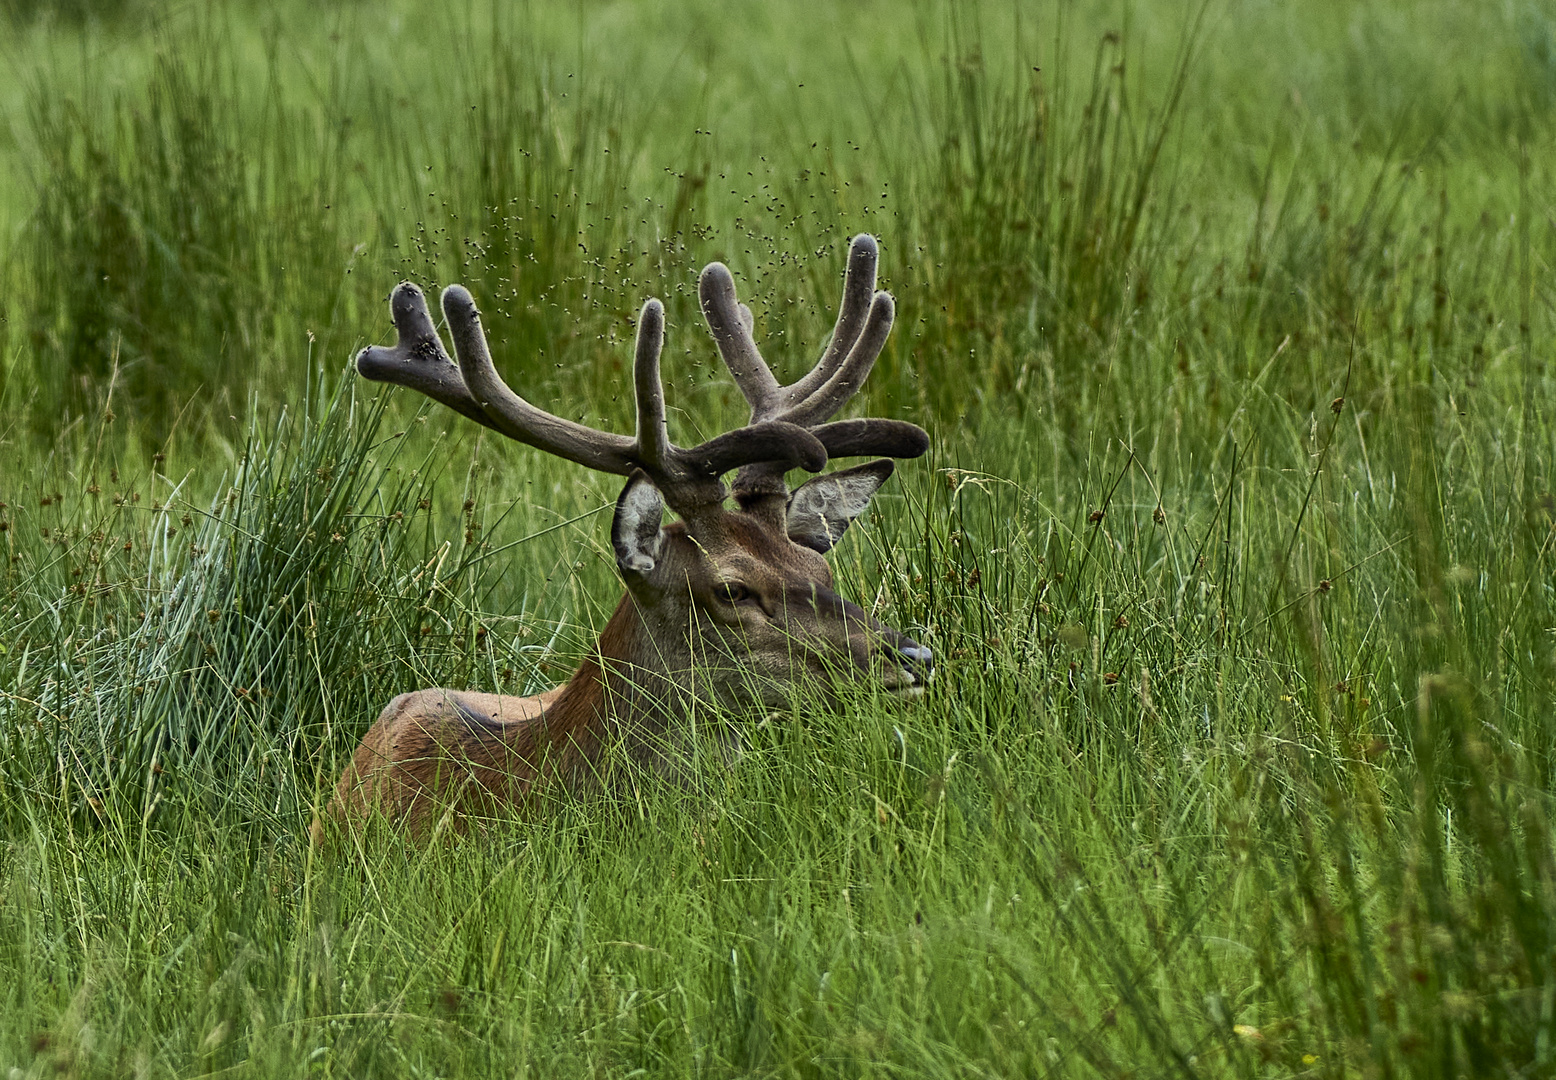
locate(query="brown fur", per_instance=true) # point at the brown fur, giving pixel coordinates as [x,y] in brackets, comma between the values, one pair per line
[442,752]
[437,754]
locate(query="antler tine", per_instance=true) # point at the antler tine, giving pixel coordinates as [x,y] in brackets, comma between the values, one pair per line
[653,441]
[863,322]
[824,402]
[516,418]
[872,435]
[730,323]
[418,360]
[858,294]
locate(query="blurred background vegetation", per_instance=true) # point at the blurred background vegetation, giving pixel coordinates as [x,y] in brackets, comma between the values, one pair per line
[1232,324]
[1091,206]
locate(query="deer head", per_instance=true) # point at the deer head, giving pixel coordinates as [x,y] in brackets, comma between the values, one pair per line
[731,604]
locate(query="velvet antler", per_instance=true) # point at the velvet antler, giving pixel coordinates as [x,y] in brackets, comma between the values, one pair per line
[688,478]
[863,322]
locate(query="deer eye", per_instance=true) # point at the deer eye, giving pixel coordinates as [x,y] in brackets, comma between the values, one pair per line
[732,593]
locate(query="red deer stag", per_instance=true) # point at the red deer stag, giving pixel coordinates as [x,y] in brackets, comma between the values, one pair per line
[727,606]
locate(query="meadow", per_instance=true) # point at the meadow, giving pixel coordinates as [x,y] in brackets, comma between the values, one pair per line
[1232,325]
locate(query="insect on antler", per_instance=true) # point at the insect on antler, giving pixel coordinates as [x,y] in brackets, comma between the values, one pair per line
[689,478]
[863,322]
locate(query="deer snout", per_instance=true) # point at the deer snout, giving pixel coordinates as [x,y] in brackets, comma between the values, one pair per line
[910,665]
[915,659]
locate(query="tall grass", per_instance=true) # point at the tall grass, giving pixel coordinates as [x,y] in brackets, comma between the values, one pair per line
[154,249]
[1234,545]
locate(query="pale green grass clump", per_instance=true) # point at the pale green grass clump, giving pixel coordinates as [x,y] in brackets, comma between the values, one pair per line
[1235,544]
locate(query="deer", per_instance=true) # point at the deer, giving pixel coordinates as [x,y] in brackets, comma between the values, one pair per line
[726,609]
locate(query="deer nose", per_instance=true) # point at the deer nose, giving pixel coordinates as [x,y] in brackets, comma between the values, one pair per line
[917,660]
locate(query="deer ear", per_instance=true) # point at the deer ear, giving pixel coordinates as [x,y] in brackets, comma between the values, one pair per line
[635,532]
[821,509]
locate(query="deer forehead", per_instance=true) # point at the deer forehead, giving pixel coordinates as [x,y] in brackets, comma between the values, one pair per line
[739,547]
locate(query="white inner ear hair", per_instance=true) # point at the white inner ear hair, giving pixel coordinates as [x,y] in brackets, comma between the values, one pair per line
[638,536]
[824,508]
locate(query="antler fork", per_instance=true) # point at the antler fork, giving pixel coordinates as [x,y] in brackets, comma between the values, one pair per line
[689,478]
[864,320]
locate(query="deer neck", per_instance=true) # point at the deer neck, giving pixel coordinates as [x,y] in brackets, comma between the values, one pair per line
[622,695]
